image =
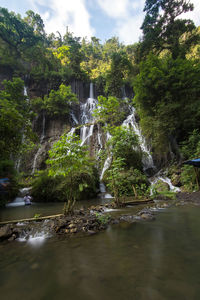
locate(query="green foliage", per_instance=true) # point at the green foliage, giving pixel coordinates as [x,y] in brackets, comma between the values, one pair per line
[60,101]
[188,178]
[130,183]
[15,32]
[103,219]
[191,147]
[161,28]
[124,143]
[7,170]
[35,21]
[161,189]
[62,53]
[120,67]
[108,110]
[167,97]
[69,159]
[53,189]
[14,118]
[36,216]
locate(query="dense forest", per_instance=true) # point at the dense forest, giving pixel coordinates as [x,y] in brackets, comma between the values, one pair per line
[159,77]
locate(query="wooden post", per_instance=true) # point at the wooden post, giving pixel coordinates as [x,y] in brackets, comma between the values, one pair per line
[134,190]
[197,176]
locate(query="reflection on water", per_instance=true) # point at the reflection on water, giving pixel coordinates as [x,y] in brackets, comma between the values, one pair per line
[44,209]
[148,260]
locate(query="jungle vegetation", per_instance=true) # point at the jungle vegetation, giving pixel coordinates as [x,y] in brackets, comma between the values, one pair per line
[162,70]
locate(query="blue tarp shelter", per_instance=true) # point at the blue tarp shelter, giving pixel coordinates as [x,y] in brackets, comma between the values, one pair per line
[193,162]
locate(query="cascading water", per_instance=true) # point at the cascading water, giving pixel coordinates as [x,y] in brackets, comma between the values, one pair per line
[106,166]
[74,119]
[104,194]
[41,140]
[18,162]
[19,201]
[147,159]
[165,179]
[86,117]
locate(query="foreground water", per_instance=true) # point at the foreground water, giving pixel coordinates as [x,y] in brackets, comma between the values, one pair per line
[148,260]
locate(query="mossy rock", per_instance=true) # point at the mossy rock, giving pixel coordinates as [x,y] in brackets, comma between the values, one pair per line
[161,186]
[176,180]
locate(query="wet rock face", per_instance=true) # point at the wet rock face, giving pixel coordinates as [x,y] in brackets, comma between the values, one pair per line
[6,73]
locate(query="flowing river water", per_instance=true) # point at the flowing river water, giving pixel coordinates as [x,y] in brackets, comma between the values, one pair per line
[147,260]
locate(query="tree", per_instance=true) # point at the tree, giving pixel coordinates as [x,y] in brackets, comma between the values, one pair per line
[161,28]
[167,97]
[124,144]
[15,32]
[59,102]
[75,54]
[120,67]
[124,149]
[36,22]
[14,118]
[62,53]
[108,110]
[68,158]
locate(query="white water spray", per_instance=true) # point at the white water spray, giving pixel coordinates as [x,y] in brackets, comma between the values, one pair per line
[147,159]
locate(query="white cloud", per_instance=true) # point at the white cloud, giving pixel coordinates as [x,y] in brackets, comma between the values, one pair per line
[128,15]
[129,31]
[114,8]
[195,14]
[58,14]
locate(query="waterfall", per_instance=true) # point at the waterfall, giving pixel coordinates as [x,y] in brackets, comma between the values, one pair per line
[19,201]
[103,191]
[43,127]
[86,117]
[147,159]
[91,91]
[99,137]
[106,166]
[153,180]
[41,140]
[25,91]
[74,119]
[18,161]
[72,131]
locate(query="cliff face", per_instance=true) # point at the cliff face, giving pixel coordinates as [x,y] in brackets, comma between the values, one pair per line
[49,129]
[6,73]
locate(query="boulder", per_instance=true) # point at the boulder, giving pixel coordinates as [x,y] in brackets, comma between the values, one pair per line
[161,186]
[5,232]
[176,180]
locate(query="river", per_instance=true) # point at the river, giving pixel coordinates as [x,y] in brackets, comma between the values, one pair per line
[148,260]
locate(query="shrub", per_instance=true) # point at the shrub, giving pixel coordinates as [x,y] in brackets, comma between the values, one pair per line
[53,189]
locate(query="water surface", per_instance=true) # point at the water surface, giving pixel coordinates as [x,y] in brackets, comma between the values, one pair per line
[148,260]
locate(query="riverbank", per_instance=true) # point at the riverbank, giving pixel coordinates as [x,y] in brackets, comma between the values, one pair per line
[189,197]
[87,221]
[83,222]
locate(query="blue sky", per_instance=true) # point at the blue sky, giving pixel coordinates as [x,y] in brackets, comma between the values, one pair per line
[100,18]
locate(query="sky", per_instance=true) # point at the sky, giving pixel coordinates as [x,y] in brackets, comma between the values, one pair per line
[85,18]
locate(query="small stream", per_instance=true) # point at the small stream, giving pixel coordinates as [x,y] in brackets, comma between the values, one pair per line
[148,260]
